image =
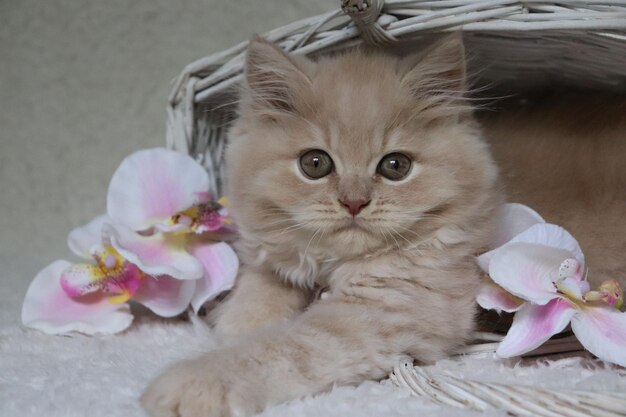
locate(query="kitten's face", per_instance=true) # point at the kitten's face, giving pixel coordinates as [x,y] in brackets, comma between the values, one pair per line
[353,153]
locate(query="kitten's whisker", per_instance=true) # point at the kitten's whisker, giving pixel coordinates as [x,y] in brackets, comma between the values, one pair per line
[319,240]
[293,228]
[411,231]
[394,239]
[289,229]
[382,232]
[415,245]
[420,215]
[311,240]
[402,236]
[411,244]
[275,210]
[406,230]
[226,104]
[277,222]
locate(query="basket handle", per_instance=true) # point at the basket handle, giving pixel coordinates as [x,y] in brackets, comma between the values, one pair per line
[365,13]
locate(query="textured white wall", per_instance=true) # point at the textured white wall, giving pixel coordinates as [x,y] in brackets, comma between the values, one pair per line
[83,84]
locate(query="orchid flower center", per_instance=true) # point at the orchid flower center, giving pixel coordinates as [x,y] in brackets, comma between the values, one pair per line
[569,280]
[570,283]
[112,275]
[610,292]
[109,260]
[203,217]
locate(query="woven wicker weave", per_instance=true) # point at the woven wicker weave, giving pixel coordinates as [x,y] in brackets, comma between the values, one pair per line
[516,45]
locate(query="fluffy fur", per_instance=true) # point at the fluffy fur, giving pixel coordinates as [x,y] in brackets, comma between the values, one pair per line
[400,276]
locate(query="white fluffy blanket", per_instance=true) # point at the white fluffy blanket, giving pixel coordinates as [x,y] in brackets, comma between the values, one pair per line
[80,376]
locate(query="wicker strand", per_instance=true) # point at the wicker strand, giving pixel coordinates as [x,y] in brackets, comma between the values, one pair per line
[515,399]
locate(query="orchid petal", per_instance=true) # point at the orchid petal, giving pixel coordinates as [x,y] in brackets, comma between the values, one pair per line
[553,236]
[602,331]
[82,240]
[494,297]
[541,234]
[164,295]
[204,197]
[158,254]
[526,270]
[514,219]
[220,265]
[533,325]
[485,259]
[81,279]
[151,185]
[48,308]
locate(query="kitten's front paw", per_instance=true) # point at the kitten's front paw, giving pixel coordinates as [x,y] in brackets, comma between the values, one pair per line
[194,389]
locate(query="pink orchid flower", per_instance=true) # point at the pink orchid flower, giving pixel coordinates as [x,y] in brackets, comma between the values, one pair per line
[156,199]
[142,250]
[92,298]
[538,273]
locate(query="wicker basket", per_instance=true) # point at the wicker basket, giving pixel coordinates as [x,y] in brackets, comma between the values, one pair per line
[516,45]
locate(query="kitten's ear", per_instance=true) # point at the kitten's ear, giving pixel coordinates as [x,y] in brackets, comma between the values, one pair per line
[438,74]
[273,78]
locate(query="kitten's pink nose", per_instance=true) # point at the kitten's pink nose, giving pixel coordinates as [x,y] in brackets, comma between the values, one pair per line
[354,207]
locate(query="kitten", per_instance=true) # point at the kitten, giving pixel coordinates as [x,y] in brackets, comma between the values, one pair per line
[363,174]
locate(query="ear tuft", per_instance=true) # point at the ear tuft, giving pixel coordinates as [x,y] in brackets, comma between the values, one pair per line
[439,74]
[273,78]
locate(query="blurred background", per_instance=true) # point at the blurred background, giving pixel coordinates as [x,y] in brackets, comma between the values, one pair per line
[82,85]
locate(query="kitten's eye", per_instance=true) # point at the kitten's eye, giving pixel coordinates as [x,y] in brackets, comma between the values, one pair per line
[394,166]
[316,164]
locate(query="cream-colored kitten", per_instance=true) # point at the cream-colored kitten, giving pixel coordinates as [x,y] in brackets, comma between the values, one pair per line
[362,174]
